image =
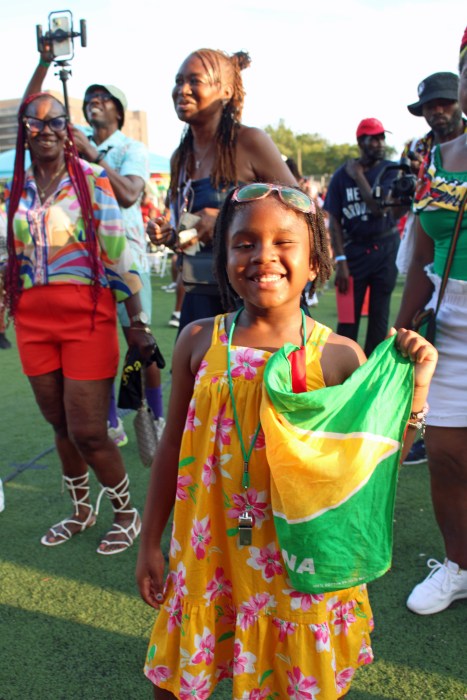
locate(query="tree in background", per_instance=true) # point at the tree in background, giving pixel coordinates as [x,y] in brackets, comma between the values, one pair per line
[315,155]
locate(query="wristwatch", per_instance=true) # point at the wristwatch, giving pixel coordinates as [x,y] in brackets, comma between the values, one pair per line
[140,317]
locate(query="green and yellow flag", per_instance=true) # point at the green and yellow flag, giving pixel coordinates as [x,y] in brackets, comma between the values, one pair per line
[334,457]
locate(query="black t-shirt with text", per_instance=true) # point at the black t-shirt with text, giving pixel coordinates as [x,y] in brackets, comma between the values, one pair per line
[344,201]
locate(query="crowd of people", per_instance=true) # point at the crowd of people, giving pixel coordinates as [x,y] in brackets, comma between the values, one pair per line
[252,246]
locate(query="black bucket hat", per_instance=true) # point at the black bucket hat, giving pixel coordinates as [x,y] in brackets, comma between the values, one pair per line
[439,86]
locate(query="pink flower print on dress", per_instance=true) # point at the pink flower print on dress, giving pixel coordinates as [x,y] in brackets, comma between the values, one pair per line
[223,337]
[260,442]
[248,612]
[174,543]
[183,480]
[225,670]
[221,427]
[201,371]
[267,560]
[258,694]
[218,587]
[205,648]
[253,502]
[302,601]
[366,654]
[343,616]
[209,475]
[192,422]
[201,536]
[175,613]
[244,363]
[284,628]
[179,580]
[195,687]
[301,687]
[343,678]
[322,636]
[158,674]
[229,615]
[243,661]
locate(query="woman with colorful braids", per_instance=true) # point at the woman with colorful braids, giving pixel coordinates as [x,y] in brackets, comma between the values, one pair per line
[441,188]
[216,153]
[68,264]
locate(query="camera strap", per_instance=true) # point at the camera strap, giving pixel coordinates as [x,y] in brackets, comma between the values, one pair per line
[452,249]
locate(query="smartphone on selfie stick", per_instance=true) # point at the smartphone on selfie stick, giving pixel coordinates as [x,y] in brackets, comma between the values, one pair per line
[59,37]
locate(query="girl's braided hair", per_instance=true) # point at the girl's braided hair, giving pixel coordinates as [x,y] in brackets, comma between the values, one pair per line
[319,248]
[223,68]
[81,188]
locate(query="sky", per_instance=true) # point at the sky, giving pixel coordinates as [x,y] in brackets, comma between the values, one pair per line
[319,67]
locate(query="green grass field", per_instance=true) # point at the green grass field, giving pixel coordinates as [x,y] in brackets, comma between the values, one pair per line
[72,626]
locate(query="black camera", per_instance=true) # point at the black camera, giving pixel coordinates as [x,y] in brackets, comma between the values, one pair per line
[402,187]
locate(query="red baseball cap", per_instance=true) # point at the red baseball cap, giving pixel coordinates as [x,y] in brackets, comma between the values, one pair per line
[370,127]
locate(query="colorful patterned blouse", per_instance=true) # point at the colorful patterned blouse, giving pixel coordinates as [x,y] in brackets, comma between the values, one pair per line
[50,238]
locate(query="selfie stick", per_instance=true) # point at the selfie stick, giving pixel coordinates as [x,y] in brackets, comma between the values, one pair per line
[60,37]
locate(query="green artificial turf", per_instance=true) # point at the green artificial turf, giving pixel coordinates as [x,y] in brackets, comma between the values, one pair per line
[72,626]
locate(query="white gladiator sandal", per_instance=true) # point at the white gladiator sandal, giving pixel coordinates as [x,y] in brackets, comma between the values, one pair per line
[61,531]
[120,498]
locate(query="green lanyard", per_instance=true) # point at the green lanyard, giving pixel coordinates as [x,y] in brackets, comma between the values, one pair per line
[246,455]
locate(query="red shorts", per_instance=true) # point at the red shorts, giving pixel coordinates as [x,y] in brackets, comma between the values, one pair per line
[54,331]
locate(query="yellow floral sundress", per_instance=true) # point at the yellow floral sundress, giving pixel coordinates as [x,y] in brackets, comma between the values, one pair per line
[229,611]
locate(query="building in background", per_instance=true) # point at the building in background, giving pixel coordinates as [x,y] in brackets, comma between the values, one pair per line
[135,126]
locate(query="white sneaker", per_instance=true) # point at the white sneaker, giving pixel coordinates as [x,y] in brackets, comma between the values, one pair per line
[313,300]
[445,583]
[117,434]
[174,321]
[159,425]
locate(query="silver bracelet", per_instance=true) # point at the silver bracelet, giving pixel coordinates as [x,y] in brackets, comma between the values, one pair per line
[418,419]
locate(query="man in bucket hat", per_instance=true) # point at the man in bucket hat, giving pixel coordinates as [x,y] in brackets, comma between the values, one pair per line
[364,234]
[126,162]
[438,87]
[438,103]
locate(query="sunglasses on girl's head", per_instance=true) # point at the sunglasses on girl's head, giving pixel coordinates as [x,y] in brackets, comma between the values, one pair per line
[288,195]
[36,126]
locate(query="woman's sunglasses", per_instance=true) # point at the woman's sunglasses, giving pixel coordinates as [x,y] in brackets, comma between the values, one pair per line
[36,126]
[288,195]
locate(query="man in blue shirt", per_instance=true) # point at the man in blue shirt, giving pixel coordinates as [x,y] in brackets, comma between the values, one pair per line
[126,163]
[364,235]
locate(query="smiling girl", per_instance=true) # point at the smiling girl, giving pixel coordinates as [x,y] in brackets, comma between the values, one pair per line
[228,608]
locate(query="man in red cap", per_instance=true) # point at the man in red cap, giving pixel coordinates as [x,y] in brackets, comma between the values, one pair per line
[364,234]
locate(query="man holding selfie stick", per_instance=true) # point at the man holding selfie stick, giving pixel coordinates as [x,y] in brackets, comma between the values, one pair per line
[126,162]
